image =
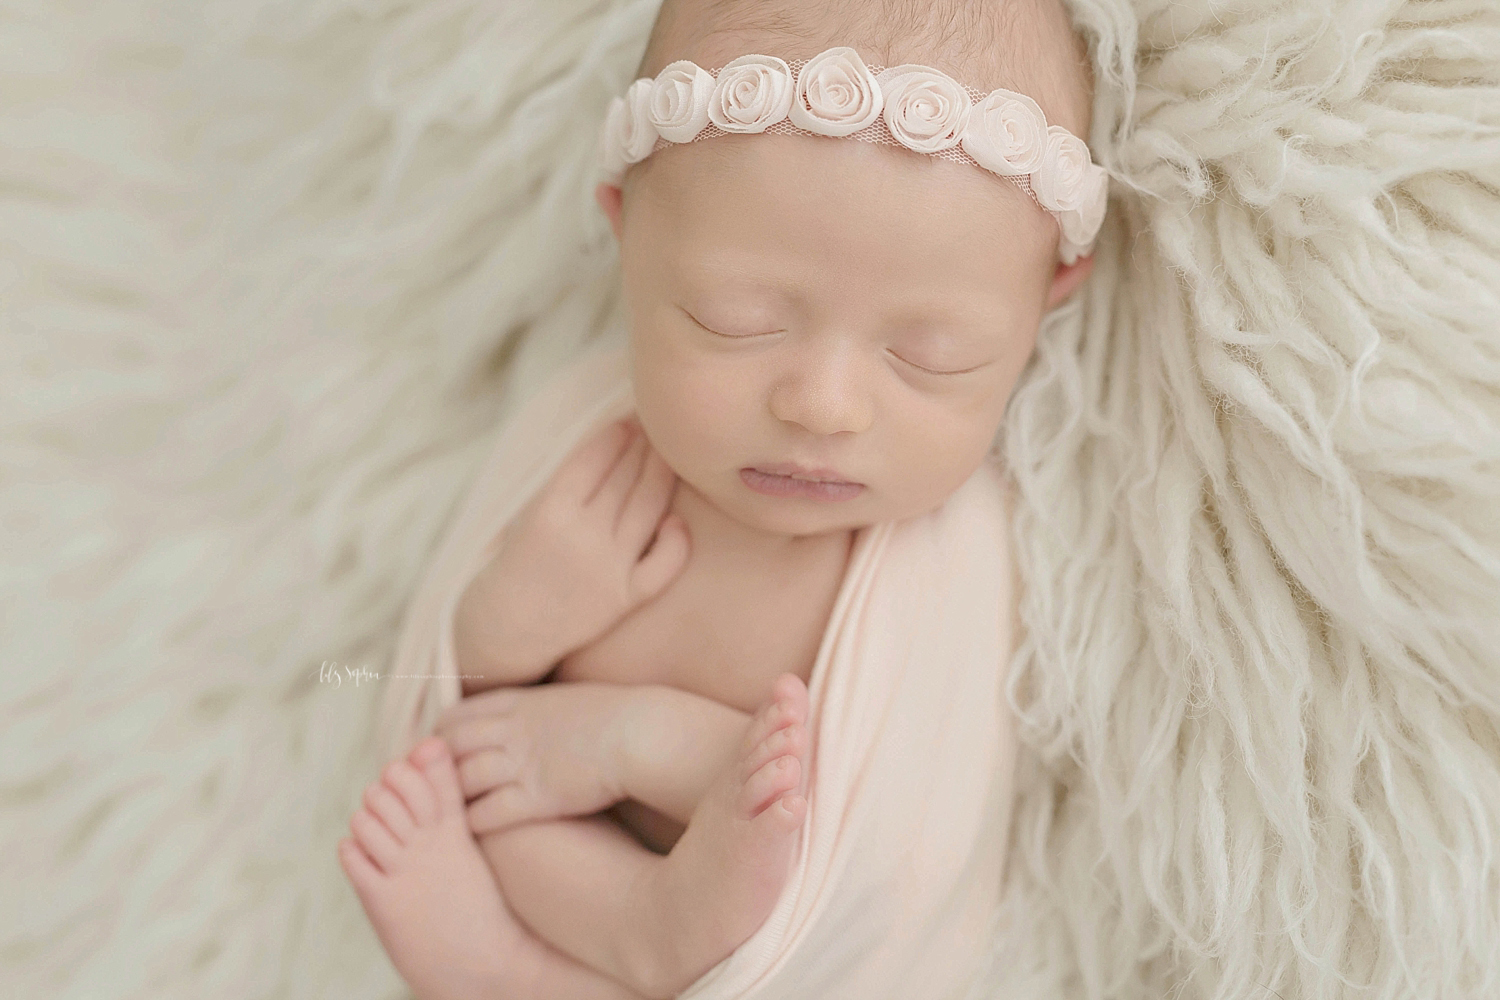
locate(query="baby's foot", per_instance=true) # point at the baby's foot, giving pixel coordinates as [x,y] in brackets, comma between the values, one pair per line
[723,876]
[427,888]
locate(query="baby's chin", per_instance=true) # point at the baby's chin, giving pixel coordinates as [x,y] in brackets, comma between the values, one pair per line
[782,517]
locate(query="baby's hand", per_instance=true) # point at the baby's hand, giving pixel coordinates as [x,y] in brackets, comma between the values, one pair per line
[543,752]
[570,565]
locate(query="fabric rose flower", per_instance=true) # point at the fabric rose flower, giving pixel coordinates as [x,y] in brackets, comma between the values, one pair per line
[1080,225]
[836,94]
[1069,253]
[752,94]
[679,100]
[1059,181]
[925,110]
[628,136]
[1007,133]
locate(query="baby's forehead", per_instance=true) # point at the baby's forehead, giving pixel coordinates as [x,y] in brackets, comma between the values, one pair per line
[872,207]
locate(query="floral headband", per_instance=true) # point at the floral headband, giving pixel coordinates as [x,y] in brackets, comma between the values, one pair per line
[835,94]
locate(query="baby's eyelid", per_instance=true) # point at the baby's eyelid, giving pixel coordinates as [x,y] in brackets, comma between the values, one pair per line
[934,371]
[741,336]
[718,333]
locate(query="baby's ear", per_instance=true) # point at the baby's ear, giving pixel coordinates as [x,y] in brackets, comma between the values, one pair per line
[1066,278]
[610,199]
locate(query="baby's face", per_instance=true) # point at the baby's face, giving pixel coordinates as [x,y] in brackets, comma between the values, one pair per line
[828,305]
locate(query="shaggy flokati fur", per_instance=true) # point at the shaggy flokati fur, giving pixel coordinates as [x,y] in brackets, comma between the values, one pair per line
[271,271]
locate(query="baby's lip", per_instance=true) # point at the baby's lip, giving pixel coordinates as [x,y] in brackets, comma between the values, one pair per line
[795,471]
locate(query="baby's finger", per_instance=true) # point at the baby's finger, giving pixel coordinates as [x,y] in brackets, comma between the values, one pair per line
[485,770]
[580,474]
[621,478]
[472,735]
[500,701]
[646,504]
[669,553]
[505,806]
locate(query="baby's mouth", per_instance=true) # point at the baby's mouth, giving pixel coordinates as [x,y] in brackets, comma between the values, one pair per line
[786,480]
[791,471]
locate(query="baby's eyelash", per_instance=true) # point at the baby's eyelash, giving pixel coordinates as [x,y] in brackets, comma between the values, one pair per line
[731,336]
[935,371]
[741,336]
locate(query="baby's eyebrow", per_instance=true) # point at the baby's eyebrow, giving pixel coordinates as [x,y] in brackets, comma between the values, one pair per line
[739,273]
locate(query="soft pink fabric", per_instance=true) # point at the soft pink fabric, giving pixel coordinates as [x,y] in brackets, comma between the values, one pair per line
[899,864]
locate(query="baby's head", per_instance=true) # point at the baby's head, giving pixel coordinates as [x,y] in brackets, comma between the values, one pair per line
[840,305]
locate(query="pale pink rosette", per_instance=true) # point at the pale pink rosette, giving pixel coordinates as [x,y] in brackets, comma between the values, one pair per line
[679,100]
[926,110]
[628,136]
[1007,133]
[751,94]
[836,94]
[1069,253]
[1080,225]
[1059,180]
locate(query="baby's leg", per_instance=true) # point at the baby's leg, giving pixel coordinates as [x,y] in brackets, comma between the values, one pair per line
[658,923]
[432,901]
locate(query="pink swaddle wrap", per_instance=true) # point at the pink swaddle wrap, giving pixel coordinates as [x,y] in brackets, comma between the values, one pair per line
[898,868]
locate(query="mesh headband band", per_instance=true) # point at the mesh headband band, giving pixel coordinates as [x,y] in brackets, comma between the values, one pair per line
[835,94]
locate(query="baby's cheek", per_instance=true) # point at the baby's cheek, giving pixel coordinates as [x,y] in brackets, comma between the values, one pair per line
[714,411]
[685,409]
[942,450]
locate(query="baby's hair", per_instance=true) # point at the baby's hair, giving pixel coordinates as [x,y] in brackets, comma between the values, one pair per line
[1024,45]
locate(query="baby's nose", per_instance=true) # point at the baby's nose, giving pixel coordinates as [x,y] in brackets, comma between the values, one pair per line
[825,394]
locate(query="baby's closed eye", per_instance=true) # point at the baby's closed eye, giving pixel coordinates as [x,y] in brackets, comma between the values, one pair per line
[939,371]
[737,328]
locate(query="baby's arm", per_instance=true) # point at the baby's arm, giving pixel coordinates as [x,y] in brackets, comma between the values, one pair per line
[578,748]
[572,562]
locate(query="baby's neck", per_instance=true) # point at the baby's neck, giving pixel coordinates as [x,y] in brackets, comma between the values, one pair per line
[728,536]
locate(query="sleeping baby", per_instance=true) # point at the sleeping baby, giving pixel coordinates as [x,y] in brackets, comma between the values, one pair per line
[732,599]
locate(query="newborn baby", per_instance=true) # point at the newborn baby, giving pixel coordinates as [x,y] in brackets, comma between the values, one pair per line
[823,335]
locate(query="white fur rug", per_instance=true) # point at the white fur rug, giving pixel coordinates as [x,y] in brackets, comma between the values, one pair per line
[271,271]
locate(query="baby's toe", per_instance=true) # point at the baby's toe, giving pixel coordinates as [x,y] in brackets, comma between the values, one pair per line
[769,783]
[789,741]
[773,715]
[375,839]
[358,867]
[393,812]
[406,781]
[442,783]
[426,751]
[786,813]
[791,695]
